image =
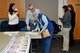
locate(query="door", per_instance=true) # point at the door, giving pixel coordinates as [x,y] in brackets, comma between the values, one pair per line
[2,8]
[76,5]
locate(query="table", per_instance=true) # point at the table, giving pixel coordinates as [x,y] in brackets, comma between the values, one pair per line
[18,43]
[13,35]
[4,40]
[33,35]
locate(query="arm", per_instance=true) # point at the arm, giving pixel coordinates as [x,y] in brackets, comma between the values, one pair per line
[37,28]
[45,23]
[66,17]
[27,18]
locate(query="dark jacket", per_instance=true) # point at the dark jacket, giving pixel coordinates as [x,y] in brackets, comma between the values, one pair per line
[73,15]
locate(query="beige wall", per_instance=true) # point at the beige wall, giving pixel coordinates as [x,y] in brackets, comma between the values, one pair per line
[4,6]
[49,7]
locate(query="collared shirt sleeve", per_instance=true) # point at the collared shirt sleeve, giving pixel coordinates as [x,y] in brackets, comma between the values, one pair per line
[37,28]
[44,19]
[27,17]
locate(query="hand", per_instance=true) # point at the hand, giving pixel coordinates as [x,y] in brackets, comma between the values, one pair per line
[40,31]
[28,27]
[34,31]
[60,18]
[16,13]
[15,9]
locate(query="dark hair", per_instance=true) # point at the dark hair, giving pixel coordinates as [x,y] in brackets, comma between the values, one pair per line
[10,8]
[70,6]
[30,4]
[65,7]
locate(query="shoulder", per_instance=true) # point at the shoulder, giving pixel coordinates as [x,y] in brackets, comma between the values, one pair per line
[9,14]
[37,10]
[43,17]
[72,12]
[68,13]
[28,11]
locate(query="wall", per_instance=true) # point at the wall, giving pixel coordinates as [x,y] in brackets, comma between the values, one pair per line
[60,10]
[49,7]
[60,4]
[4,6]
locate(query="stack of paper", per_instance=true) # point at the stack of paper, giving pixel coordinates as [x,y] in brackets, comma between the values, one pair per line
[18,45]
[32,33]
[11,33]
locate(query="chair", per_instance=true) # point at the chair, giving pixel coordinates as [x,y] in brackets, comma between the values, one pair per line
[57,28]
[22,24]
[5,25]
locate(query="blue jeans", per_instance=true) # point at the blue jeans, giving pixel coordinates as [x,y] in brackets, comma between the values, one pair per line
[46,43]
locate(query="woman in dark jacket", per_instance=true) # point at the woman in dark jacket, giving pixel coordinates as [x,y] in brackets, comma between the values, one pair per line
[73,15]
